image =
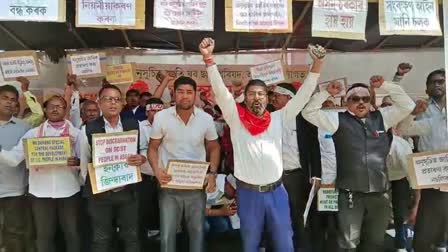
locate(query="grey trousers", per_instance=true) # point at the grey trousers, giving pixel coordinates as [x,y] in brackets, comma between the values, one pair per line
[175,204]
[363,226]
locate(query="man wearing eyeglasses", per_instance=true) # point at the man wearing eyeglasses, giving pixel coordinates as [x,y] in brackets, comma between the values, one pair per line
[121,204]
[362,145]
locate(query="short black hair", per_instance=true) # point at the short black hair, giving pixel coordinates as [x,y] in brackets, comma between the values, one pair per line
[433,73]
[255,82]
[145,94]
[87,103]
[184,80]
[288,86]
[9,88]
[154,100]
[132,92]
[58,97]
[355,85]
[108,86]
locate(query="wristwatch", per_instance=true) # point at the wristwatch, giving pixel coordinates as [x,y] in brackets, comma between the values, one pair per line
[214,173]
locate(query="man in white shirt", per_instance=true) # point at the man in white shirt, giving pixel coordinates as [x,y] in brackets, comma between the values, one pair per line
[148,188]
[257,143]
[118,206]
[183,132]
[362,145]
[54,190]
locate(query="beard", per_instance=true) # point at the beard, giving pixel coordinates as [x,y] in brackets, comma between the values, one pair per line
[257,108]
[184,106]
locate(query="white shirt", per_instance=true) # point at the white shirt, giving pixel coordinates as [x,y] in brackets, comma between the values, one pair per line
[290,153]
[145,134]
[327,157]
[48,182]
[397,162]
[258,159]
[329,121]
[182,141]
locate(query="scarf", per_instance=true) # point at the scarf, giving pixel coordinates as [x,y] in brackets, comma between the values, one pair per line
[255,125]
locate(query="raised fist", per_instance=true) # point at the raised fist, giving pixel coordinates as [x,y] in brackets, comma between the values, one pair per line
[334,88]
[376,81]
[206,47]
[404,68]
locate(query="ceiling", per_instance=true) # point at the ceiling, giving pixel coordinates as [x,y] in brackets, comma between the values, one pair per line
[41,36]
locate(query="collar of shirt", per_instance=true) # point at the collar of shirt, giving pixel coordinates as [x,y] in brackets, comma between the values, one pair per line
[147,124]
[134,110]
[108,125]
[174,112]
[11,120]
[433,102]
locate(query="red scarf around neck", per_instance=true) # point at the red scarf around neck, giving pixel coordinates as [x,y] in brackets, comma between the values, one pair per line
[255,125]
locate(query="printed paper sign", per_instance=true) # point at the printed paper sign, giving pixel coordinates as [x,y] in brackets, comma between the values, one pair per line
[19,63]
[33,10]
[113,176]
[44,151]
[193,15]
[186,174]
[428,169]
[113,148]
[110,13]
[345,19]
[121,74]
[270,73]
[271,16]
[342,81]
[327,199]
[87,65]
[409,17]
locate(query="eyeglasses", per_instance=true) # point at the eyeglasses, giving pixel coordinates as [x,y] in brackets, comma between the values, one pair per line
[252,94]
[58,107]
[357,99]
[110,99]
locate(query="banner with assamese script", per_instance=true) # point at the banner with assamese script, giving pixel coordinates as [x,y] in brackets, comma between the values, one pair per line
[33,10]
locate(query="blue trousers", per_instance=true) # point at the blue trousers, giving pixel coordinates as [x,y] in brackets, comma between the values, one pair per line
[268,211]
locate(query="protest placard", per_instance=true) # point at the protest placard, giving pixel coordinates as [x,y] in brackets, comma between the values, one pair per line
[428,169]
[87,65]
[342,81]
[327,199]
[186,174]
[121,74]
[270,16]
[113,148]
[271,72]
[345,19]
[109,177]
[194,15]
[19,63]
[33,10]
[46,151]
[111,14]
[409,17]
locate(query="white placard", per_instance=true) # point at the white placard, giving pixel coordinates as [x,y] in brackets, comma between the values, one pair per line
[191,15]
[186,174]
[270,73]
[115,175]
[428,169]
[106,12]
[327,199]
[85,64]
[13,67]
[113,148]
[409,17]
[345,19]
[263,15]
[33,10]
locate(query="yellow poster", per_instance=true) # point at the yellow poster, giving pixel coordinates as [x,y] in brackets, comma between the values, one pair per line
[121,74]
[44,151]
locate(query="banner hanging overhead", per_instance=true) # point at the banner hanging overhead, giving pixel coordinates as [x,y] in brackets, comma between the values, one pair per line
[33,10]
[111,14]
[345,19]
[270,16]
[194,15]
[409,17]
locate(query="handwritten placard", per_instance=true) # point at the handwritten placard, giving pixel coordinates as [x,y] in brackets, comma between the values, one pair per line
[428,169]
[109,177]
[197,15]
[19,63]
[270,16]
[186,174]
[113,148]
[409,17]
[341,81]
[327,199]
[118,14]
[87,65]
[121,74]
[33,10]
[345,19]
[45,151]
[270,73]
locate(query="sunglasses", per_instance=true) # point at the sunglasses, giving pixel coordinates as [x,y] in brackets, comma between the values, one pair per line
[357,99]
